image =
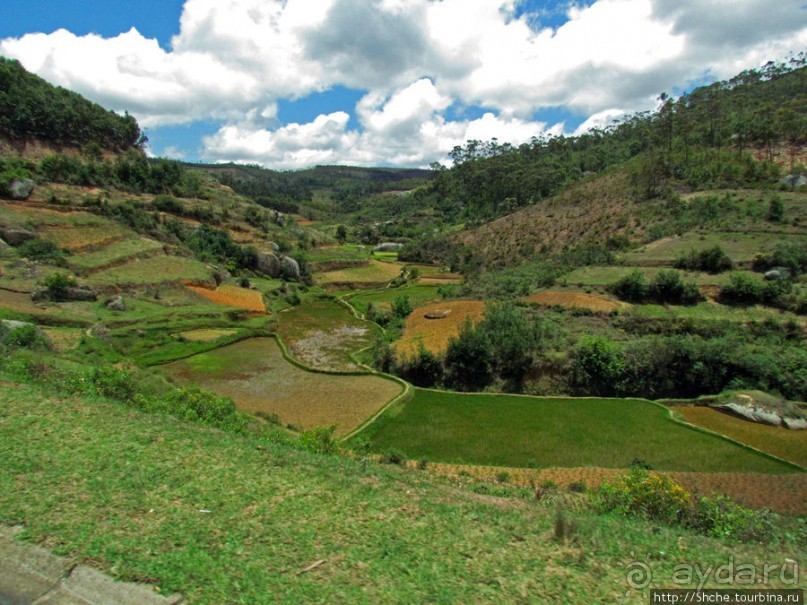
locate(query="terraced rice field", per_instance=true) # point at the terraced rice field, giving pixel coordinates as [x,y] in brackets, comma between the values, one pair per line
[86,237]
[418,294]
[741,247]
[604,276]
[114,254]
[575,300]
[521,431]
[785,494]
[20,302]
[434,334]
[440,279]
[233,296]
[206,335]
[376,272]
[776,440]
[322,334]
[157,270]
[259,380]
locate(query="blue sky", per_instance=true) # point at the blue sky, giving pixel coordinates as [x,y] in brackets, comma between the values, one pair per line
[289,84]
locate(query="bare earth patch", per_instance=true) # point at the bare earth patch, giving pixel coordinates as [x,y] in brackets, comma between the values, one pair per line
[575,300]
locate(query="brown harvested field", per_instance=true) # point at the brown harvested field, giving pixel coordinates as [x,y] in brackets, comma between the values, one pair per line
[233,296]
[205,335]
[575,300]
[781,493]
[260,381]
[776,440]
[443,323]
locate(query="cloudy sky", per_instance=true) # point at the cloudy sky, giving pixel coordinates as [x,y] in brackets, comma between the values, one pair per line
[294,83]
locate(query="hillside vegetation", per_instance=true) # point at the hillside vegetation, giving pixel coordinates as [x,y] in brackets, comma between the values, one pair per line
[212,376]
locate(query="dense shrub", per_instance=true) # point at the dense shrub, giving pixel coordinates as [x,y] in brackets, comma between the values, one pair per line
[26,335]
[468,360]
[424,369]
[631,288]
[644,494]
[790,255]
[686,365]
[742,290]
[13,169]
[56,285]
[320,440]
[660,499]
[720,517]
[597,367]
[712,260]
[667,287]
[40,249]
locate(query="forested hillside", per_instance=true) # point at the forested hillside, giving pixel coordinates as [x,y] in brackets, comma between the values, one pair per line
[32,109]
[706,138]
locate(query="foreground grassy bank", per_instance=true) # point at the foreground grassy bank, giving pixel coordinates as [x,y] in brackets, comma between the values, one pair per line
[238,519]
[518,431]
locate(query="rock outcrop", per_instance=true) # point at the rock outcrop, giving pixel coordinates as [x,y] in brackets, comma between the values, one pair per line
[268,264]
[21,189]
[290,267]
[16,236]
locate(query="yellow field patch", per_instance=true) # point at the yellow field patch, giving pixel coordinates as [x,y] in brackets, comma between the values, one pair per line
[202,335]
[434,325]
[233,296]
[575,300]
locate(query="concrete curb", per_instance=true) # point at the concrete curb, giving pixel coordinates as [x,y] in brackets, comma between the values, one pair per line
[32,575]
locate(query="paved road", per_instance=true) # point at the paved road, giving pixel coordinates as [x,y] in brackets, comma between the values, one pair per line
[30,575]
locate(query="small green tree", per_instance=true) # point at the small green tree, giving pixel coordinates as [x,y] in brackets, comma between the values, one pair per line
[467,360]
[742,290]
[56,285]
[631,288]
[776,210]
[401,307]
[341,234]
[597,367]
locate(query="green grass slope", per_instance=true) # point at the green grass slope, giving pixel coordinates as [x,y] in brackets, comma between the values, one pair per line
[224,518]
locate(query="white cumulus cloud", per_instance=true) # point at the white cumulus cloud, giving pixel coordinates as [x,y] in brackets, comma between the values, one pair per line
[233,61]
